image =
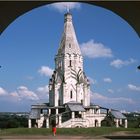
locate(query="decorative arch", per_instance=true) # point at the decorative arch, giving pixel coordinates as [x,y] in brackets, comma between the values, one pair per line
[79,125]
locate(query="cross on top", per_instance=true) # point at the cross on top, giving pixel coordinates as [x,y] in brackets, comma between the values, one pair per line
[68,8]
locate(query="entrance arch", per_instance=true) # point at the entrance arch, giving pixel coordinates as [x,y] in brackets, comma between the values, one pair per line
[129,11]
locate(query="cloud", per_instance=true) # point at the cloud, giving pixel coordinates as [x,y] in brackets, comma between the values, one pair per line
[45,70]
[14,94]
[92,81]
[23,92]
[2,91]
[107,80]
[103,99]
[92,49]
[63,6]
[133,87]
[43,92]
[110,91]
[118,63]
[44,89]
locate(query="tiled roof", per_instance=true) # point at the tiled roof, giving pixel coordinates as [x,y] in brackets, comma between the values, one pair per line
[117,114]
[76,107]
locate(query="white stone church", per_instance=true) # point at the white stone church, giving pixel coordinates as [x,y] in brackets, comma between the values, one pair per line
[69,89]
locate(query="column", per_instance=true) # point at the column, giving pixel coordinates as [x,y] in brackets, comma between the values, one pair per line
[47,122]
[73,115]
[99,111]
[99,123]
[60,120]
[125,123]
[56,111]
[29,123]
[120,121]
[56,119]
[117,123]
[49,112]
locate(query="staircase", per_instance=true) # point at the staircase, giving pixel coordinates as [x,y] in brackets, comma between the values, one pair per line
[40,121]
[75,122]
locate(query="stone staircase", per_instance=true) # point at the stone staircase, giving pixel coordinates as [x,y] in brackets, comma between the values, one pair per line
[40,121]
[75,122]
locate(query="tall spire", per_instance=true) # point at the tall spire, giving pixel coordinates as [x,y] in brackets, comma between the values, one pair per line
[69,43]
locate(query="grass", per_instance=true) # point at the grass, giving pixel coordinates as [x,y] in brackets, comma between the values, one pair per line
[67,131]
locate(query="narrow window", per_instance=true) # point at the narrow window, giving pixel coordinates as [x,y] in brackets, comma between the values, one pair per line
[81,101]
[70,63]
[59,65]
[71,94]
[59,102]
[41,111]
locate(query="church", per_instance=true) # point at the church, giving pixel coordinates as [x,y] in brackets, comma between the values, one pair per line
[69,89]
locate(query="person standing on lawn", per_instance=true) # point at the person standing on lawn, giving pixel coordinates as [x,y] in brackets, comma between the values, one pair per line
[54,127]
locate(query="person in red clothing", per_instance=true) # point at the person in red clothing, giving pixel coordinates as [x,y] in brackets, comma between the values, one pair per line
[54,127]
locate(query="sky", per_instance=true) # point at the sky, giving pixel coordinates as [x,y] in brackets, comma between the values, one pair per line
[109,45]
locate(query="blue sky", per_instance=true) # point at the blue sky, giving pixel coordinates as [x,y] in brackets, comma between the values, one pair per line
[109,45]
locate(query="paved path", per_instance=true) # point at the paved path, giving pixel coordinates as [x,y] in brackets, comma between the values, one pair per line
[50,138]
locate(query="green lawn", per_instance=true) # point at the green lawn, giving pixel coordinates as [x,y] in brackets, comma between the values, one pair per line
[67,131]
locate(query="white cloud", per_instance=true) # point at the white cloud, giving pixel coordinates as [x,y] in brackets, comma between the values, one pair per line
[23,92]
[22,88]
[92,49]
[118,63]
[43,92]
[45,70]
[14,94]
[133,87]
[107,80]
[103,99]
[92,81]
[63,6]
[2,91]
[44,89]
[110,90]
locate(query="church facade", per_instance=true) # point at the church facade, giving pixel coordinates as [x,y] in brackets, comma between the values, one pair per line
[69,82]
[69,89]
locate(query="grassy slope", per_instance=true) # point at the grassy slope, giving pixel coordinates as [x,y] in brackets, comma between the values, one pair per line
[67,131]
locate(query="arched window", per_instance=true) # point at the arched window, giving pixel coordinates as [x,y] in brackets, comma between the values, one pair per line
[71,94]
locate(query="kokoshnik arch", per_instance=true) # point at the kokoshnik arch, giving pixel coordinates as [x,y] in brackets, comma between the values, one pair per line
[129,10]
